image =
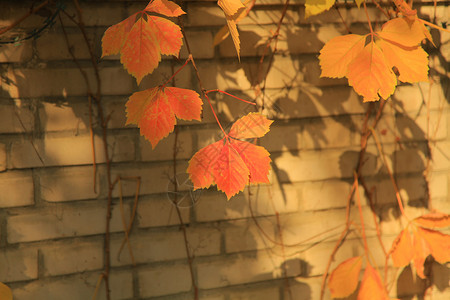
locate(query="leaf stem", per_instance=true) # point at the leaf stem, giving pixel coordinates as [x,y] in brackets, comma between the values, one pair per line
[223,92]
[178,71]
[368,20]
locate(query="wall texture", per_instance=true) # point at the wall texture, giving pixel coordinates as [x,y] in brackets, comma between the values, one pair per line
[52,217]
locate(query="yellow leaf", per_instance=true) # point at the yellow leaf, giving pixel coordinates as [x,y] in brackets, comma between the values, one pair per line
[234,35]
[370,75]
[411,64]
[344,279]
[402,250]
[5,292]
[438,243]
[338,53]
[315,7]
[223,33]
[230,7]
[402,31]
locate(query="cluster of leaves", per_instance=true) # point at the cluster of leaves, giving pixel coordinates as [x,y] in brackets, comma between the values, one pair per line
[426,241]
[140,40]
[370,66]
[372,63]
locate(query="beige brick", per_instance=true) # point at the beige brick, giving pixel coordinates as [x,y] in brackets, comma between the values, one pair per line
[65,82]
[306,225]
[57,150]
[302,288]
[2,157]
[101,14]
[164,246]
[245,235]
[53,46]
[165,148]
[160,211]
[16,117]
[10,12]
[17,189]
[201,44]
[66,184]
[310,101]
[19,52]
[75,287]
[155,178]
[283,137]
[438,185]
[312,165]
[413,96]
[213,206]
[75,257]
[241,269]
[441,154]
[64,116]
[205,15]
[321,195]
[18,264]
[116,111]
[260,293]
[326,133]
[164,280]
[67,221]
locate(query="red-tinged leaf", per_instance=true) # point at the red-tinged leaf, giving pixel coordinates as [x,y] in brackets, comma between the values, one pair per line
[230,7]
[421,251]
[253,125]
[338,53]
[165,7]
[403,32]
[141,53]
[411,64]
[370,75]
[168,35]
[344,279]
[371,286]
[115,36]
[256,158]
[438,243]
[433,220]
[154,110]
[5,292]
[230,172]
[405,8]
[202,163]
[152,113]
[186,104]
[402,250]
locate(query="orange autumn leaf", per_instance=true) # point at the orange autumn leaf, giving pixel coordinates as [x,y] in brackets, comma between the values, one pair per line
[338,53]
[370,75]
[433,220]
[154,110]
[230,163]
[403,32]
[412,64]
[253,125]
[402,250]
[115,36]
[344,279]
[256,158]
[438,244]
[165,7]
[141,43]
[371,286]
[232,10]
[5,292]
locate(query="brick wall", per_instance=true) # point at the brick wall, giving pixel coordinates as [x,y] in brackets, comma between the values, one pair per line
[52,219]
